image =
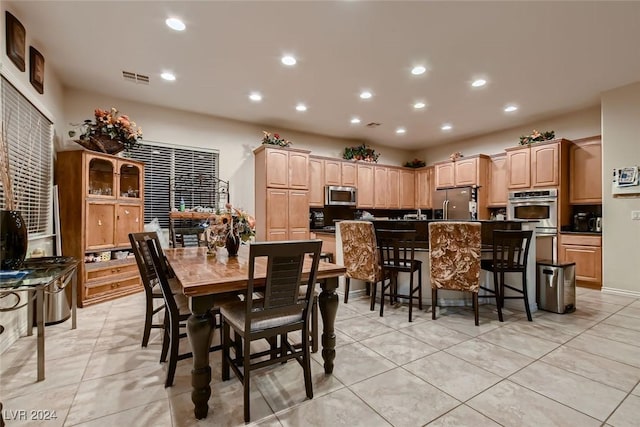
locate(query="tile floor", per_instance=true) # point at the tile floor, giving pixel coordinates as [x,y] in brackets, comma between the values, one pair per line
[580,369]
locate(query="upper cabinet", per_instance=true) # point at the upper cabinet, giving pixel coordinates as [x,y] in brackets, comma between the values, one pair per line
[463,172]
[349,174]
[498,181]
[316,182]
[340,173]
[365,186]
[424,187]
[382,186]
[537,165]
[407,189]
[585,163]
[284,168]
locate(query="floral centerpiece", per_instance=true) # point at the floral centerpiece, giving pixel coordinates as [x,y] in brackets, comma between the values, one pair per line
[415,163]
[361,152]
[536,137]
[108,132]
[274,139]
[229,228]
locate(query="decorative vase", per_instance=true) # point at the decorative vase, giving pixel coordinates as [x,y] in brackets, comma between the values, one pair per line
[232,243]
[13,240]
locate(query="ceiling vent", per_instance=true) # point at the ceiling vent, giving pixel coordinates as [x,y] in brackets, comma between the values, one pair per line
[135,78]
[373,125]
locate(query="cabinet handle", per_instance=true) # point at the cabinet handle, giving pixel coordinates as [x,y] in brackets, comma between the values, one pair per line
[126,212]
[99,223]
[137,220]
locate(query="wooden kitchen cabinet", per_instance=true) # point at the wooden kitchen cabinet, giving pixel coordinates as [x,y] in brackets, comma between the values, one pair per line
[316,182]
[282,213]
[445,175]
[101,202]
[366,193]
[463,172]
[545,165]
[466,171]
[394,188]
[424,187]
[519,167]
[585,165]
[539,165]
[586,251]
[407,189]
[332,172]
[349,174]
[381,187]
[498,192]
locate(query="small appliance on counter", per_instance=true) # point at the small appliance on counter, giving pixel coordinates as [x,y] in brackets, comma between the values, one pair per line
[316,219]
[595,224]
[582,221]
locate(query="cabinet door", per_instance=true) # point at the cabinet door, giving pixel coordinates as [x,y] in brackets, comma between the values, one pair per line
[365,186]
[585,162]
[445,175]
[332,172]
[380,187]
[393,188]
[423,188]
[544,166]
[519,168]
[277,168]
[130,180]
[466,172]
[298,170]
[128,220]
[298,226]
[100,226]
[349,174]
[407,189]
[498,182]
[278,214]
[316,182]
[101,176]
[588,261]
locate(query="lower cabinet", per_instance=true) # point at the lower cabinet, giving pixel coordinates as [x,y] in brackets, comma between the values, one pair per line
[586,251]
[110,279]
[287,214]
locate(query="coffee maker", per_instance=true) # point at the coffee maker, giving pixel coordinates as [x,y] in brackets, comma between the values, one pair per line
[316,219]
[582,221]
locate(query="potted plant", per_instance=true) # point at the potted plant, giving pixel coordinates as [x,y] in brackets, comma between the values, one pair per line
[274,139]
[536,136]
[415,163]
[361,152]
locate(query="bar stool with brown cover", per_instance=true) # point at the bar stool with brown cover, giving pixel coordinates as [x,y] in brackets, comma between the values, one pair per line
[360,255]
[454,253]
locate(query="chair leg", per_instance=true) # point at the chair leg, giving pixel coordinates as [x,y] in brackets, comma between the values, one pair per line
[475,308]
[526,297]
[306,359]
[346,289]
[499,300]
[420,288]
[226,344]
[411,297]
[246,379]
[434,298]
[148,320]
[173,353]
[314,325]
[382,297]
[368,288]
[374,287]
[166,339]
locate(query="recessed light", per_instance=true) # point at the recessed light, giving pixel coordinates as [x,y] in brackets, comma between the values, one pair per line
[510,108]
[175,24]
[355,121]
[401,131]
[288,60]
[479,83]
[446,127]
[418,69]
[301,107]
[255,96]
[168,76]
[418,105]
[366,94]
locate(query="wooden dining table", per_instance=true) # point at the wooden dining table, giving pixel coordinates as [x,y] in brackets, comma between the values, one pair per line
[205,277]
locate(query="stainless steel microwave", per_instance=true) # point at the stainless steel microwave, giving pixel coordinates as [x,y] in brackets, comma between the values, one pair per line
[340,196]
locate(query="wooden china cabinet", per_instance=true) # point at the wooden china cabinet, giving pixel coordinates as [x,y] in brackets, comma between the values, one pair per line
[101,202]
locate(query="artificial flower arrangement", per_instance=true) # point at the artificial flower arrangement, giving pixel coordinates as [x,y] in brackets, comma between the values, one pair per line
[232,222]
[108,125]
[536,137]
[274,139]
[361,152]
[455,156]
[415,163]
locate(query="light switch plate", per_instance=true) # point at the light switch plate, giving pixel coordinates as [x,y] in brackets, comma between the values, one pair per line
[635,215]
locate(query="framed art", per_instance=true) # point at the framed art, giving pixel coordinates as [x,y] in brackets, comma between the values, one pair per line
[36,69]
[15,39]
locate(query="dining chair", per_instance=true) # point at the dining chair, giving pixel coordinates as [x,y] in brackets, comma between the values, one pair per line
[360,256]
[152,289]
[280,312]
[454,254]
[397,255]
[510,253]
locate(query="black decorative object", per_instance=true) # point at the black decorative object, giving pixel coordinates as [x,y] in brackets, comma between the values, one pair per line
[13,240]
[232,244]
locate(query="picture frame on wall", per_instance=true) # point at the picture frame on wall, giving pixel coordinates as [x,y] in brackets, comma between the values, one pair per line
[16,37]
[36,69]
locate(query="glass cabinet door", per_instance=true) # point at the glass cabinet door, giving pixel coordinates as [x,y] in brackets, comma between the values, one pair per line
[130,180]
[101,177]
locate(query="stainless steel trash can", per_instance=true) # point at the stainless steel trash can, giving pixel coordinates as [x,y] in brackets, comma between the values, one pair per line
[556,288]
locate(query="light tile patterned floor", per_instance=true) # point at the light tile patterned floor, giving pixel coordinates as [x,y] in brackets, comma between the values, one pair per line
[559,370]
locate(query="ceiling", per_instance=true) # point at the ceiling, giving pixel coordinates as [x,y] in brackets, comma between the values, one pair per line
[548,58]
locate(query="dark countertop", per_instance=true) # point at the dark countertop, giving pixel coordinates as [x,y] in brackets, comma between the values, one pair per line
[586,233]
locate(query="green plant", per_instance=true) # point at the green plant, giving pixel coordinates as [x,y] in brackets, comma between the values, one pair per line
[109,124]
[361,152]
[415,163]
[536,137]
[268,138]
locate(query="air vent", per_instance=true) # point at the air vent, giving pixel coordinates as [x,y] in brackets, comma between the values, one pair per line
[373,125]
[135,78]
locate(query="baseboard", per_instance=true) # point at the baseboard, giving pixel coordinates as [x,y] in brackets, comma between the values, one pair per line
[623,292]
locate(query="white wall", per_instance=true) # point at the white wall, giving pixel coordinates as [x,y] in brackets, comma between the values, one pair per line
[580,124]
[620,147]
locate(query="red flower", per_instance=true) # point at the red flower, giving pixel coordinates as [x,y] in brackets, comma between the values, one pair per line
[276,136]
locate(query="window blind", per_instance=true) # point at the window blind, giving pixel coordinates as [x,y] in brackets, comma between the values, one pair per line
[29,135]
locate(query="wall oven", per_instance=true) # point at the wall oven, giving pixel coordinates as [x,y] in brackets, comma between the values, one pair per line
[541,206]
[340,196]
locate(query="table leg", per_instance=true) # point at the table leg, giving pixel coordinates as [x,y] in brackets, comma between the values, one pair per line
[40,325]
[74,298]
[328,303]
[30,299]
[199,330]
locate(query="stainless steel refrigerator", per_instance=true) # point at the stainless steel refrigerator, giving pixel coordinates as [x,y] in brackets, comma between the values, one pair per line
[455,203]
